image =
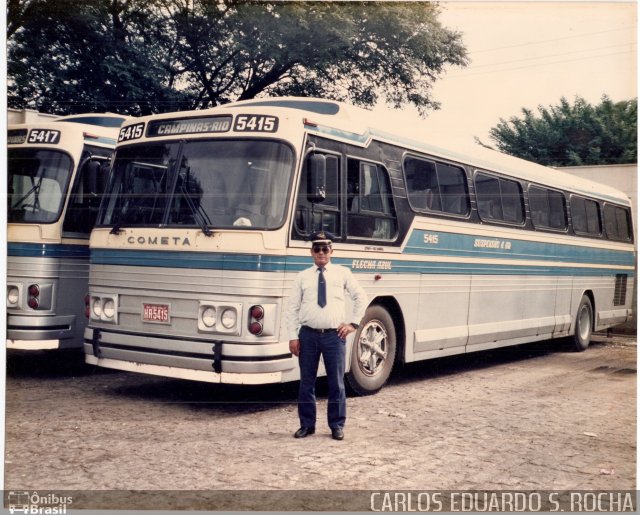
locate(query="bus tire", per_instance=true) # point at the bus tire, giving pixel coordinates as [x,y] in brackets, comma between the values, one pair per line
[584,325]
[373,353]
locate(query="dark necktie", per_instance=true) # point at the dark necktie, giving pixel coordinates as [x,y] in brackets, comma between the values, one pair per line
[322,289]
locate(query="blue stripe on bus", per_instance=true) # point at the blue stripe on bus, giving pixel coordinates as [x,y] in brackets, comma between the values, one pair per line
[267,263]
[100,139]
[473,246]
[48,250]
[197,260]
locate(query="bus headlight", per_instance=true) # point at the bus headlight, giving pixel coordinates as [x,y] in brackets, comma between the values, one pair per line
[13,296]
[104,307]
[229,318]
[109,308]
[96,307]
[209,317]
[219,317]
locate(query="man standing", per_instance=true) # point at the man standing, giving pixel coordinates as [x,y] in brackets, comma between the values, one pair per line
[318,326]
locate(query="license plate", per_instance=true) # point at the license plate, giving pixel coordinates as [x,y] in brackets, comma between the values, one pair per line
[158,313]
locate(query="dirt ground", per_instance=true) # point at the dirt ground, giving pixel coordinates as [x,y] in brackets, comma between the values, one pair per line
[533,417]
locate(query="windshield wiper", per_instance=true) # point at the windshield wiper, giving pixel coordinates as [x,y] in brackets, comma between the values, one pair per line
[198,212]
[116,229]
[117,226]
[35,190]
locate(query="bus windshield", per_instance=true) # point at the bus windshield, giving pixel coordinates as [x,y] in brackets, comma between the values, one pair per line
[211,184]
[37,182]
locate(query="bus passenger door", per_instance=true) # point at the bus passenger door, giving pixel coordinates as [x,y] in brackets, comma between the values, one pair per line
[312,214]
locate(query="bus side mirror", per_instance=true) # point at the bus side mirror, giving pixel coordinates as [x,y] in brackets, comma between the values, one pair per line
[316,178]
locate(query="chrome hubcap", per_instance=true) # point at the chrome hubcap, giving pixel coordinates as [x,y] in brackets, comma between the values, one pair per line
[372,348]
[584,323]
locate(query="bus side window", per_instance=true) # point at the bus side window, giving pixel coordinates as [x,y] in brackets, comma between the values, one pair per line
[512,207]
[616,222]
[84,201]
[488,197]
[585,215]
[436,186]
[557,211]
[422,183]
[370,212]
[454,195]
[499,199]
[547,208]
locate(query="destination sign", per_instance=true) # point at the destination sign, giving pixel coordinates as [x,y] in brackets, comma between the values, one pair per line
[198,125]
[16,136]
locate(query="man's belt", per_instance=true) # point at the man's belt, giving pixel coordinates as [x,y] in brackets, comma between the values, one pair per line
[321,331]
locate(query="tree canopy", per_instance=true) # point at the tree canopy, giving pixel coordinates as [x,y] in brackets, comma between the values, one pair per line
[143,56]
[572,134]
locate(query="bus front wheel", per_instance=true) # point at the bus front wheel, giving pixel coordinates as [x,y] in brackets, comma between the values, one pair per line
[374,352]
[584,325]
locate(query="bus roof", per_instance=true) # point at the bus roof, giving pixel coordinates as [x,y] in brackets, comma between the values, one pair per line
[111,120]
[92,134]
[359,126]
[364,123]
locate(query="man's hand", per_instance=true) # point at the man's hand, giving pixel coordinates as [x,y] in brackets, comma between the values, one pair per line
[294,347]
[344,330]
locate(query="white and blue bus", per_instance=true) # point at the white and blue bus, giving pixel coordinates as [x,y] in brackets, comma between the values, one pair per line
[205,225]
[56,175]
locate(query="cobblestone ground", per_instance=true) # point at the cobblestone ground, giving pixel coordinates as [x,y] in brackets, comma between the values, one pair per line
[529,417]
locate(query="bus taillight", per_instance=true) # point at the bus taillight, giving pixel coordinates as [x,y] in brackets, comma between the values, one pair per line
[87,304]
[255,328]
[34,296]
[256,314]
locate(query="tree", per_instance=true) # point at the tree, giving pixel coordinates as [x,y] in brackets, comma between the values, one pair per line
[67,57]
[159,55]
[572,134]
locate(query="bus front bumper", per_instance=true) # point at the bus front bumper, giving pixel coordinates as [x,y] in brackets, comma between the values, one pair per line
[198,360]
[41,333]
[33,345]
[184,373]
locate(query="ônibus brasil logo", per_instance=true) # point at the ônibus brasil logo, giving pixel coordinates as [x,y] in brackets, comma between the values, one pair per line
[21,501]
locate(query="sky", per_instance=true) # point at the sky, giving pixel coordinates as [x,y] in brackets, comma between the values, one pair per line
[526,54]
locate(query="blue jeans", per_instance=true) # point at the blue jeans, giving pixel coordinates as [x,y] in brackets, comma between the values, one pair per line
[332,349]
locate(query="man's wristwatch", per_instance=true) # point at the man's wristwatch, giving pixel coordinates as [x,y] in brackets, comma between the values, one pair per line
[355,326]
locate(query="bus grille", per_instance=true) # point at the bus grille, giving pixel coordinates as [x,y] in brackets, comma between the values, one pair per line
[620,292]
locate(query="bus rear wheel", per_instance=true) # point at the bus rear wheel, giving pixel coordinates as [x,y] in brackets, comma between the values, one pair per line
[584,325]
[374,352]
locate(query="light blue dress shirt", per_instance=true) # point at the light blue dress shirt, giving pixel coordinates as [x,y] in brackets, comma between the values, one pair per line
[303,306]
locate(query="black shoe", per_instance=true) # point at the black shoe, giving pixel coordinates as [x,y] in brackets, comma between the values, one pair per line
[303,432]
[337,433]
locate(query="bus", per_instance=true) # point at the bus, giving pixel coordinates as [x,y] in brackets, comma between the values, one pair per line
[205,224]
[56,174]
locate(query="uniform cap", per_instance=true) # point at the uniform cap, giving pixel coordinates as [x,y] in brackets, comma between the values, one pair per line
[321,238]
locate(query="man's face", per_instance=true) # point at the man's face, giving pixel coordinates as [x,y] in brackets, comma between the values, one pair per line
[321,254]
